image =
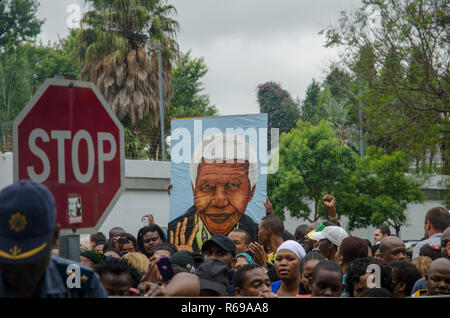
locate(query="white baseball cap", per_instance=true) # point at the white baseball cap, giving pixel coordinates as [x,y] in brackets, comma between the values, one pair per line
[335,234]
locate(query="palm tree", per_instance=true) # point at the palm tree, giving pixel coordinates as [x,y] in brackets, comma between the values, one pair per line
[114,44]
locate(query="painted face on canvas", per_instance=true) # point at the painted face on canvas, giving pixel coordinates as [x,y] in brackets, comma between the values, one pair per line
[222,192]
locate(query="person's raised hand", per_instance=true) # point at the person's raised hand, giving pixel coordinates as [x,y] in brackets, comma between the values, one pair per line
[259,255]
[150,218]
[179,238]
[329,201]
[153,275]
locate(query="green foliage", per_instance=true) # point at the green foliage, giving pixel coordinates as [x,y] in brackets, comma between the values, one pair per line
[312,163]
[134,148]
[283,112]
[310,105]
[399,50]
[15,91]
[56,58]
[22,72]
[379,191]
[371,190]
[18,23]
[187,100]
[114,27]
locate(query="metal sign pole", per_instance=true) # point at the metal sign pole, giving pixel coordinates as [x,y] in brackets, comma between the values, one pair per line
[69,247]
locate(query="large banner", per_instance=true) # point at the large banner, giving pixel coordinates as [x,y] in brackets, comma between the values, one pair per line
[219,177]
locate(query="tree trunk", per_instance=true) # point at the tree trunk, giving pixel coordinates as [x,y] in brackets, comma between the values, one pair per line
[316,209]
[445,153]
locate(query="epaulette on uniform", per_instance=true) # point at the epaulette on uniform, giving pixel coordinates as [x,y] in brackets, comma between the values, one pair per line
[86,274]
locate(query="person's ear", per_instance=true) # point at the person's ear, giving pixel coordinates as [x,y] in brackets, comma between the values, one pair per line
[400,287]
[55,235]
[238,291]
[340,260]
[428,225]
[233,261]
[252,192]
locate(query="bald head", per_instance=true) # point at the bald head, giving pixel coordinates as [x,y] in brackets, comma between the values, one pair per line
[438,277]
[392,249]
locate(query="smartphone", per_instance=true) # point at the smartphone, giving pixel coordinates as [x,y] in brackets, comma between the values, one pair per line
[165,268]
[123,240]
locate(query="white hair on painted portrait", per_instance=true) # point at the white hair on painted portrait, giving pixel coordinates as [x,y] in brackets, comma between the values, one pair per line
[225,147]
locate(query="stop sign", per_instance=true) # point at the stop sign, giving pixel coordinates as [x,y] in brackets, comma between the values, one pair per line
[68,138]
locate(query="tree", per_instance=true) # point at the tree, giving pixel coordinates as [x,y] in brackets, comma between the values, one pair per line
[15,91]
[18,23]
[379,191]
[312,163]
[405,69]
[57,58]
[187,100]
[283,112]
[446,184]
[310,105]
[114,46]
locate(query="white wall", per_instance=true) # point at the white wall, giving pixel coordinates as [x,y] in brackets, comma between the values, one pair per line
[146,192]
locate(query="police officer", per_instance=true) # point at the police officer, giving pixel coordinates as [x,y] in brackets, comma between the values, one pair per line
[27,235]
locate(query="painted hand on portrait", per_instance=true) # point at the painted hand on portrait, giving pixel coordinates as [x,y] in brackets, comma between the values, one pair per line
[179,239]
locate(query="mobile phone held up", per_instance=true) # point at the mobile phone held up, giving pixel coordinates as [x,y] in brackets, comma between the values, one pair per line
[165,268]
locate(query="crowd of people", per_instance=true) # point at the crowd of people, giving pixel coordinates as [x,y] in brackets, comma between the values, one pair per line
[317,260]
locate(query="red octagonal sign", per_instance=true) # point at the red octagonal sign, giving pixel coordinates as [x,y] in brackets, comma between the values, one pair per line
[68,138]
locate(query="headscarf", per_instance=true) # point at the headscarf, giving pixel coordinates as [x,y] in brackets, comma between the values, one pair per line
[247,257]
[294,247]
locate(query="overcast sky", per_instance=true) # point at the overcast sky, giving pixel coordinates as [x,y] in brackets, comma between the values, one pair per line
[244,43]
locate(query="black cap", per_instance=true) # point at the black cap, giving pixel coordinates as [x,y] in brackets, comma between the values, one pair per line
[183,258]
[223,242]
[213,275]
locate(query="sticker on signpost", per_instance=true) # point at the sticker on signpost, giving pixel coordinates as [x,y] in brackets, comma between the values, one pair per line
[74,204]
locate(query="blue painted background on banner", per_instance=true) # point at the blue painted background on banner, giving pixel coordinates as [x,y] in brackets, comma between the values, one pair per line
[181,196]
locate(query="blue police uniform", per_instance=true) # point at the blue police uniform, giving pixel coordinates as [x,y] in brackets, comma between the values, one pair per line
[54,282]
[27,222]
